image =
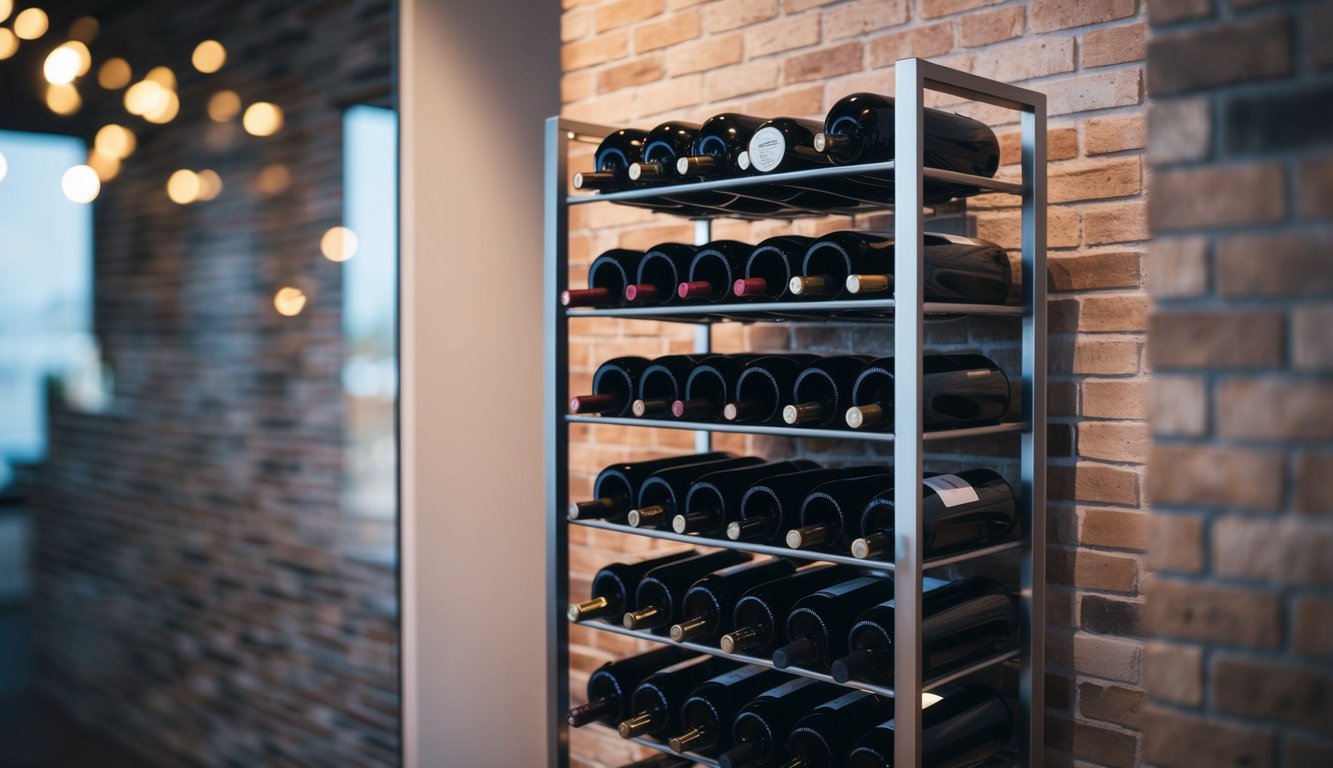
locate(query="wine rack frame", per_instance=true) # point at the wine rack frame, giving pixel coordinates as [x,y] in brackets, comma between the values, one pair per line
[906,311]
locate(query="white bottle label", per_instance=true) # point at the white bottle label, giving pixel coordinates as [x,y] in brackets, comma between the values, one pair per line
[952,489]
[767,147]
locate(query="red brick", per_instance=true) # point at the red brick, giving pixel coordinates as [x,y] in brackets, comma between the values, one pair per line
[1178,740]
[636,71]
[1304,752]
[618,13]
[587,53]
[1113,441]
[731,14]
[1096,355]
[1113,528]
[1229,196]
[1112,703]
[704,55]
[1062,14]
[1026,59]
[1100,482]
[1318,26]
[1177,543]
[930,9]
[1178,405]
[667,31]
[1115,45]
[1090,270]
[1314,482]
[575,24]
[1253,49]
[923,42]
[1181,129]
[1161,14]
[1107,746]
[1101,90]
[576,86]
[796,102]
[1173,672]
[667,97]
[1087,569]
[1314,626]
[781,35]
[991,26]
[1215,339]
[1179,267]
[854,19]
[1114,134]
[1273,691]
[1275,264]
[1202,475]
[1314,196]
[1122,222]
[1275,408]
[823,63]
[1120,312]
[1114,398]
[1061,144]
[740,80]
[1111,658]
[1290,550]
[1214,614]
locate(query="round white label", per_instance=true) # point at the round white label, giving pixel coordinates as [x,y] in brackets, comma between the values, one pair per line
[767,148]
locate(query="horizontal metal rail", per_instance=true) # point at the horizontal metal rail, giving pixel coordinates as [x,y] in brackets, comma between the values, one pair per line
[760,429]
[864,310]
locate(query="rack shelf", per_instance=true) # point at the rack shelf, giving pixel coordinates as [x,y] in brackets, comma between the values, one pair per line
[839,311]
[810,432]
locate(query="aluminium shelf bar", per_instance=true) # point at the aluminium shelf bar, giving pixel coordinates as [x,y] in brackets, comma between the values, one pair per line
[866,310]
[810,432]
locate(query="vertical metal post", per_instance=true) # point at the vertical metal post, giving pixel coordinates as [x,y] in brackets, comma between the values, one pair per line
[703,332]
[908,329]
[1033,603]
[557,442]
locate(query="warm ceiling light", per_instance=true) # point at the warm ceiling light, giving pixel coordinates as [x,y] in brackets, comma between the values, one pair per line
[31,24]
[81,184]
[146,96]
[106,166]
[166,112]
[223,106]
[210,184]
[9,43]
[6,8]
[338,244]
[289,301]
[114,74]
[84,29]
[262,119]
[183,187]
[63,99]
[163,76]
[114,141]
[4,167]
[61,66]
[209,56]
[85,56]
[272,180]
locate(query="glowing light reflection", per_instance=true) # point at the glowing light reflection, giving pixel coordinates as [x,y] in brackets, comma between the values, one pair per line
[106,166]
[168,111]
[4,167]
[224,106]
[338,244]
[114,74]
[61,66]
[80,184]
[31,24]
[209,56]
[84,29]
[210,185]
[6,8]
[183,187]
[262,119]
[146,96]
[163,76]
[272,180]
[9,43]
[115,141]
[63,99]
[289,301]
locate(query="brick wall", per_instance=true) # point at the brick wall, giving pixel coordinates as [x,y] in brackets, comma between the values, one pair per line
[1239,669]
[192,596]
[635,62]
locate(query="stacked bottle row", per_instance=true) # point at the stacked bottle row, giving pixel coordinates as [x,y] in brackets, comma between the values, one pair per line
[844,391]
[837,266]
[858,129]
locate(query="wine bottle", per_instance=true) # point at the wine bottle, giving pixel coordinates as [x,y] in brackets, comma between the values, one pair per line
[713,270]
[661,148]
[656,702]
[706,609]
[610,685]
[973,508]
[963,728]
[763,387]
[759,732]
[662,384]
[832,510]
[613,387]
[710,386]
[770,267]
[608,275]
[612,161]
[661,270]
[762,612]
[614,585]
[829,262]
[956,391]
[786,144]
[713,500]
[663,493]
[954,268]
[617,486]
[823,738]
[769,508]
[822,391]
[661,592]
[860,128]
[717,145]
[961,621]
[817,625]
[707,714]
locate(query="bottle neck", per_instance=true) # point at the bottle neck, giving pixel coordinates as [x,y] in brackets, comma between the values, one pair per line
[595,709]
[589,609]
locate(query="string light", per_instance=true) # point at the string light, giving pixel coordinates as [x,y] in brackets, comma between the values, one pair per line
[262,119]
[183,187]
[210,185]
[63,99]
[114,74]
[166,112]
[209,56]
[80,184]
[289,301]
[9,43]
[163,76]
[31,24]
[272,180]
[61,66]
[6,8]
[115,141]
[106,166]
[146,96]
[338,244]
[84,29]
[224,106]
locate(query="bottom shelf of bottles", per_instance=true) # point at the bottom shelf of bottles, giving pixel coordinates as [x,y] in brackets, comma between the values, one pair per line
[1000,761]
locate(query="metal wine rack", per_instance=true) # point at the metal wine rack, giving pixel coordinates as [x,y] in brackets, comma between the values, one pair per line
[906,311]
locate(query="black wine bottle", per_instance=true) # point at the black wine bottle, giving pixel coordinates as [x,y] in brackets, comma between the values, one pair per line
[860,129]
[770,267]
[714,499]
[608,275]
[759,732]
[961,621]
[710,386]
[763,387]
[817,625]
[823,738]
[663,494]
[717,145]
[610,685]
[612,161]
[660,271]
[956,391]
[662,147]
[822,392]
[657,701]
[973,508]
[963,728]
[617,486]
[831,259]
[715,267]
[706,609]
[706,716]
[786,144]
[614,585]
[761,614]
[770,507]
[662,383]
[954,268]
[613,387]
[660,594]
[832,511]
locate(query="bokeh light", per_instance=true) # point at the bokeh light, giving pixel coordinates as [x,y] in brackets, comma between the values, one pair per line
[163,76]
[31,24]
[84,29]
[167,112]
[85,56]
[115,141]
[183,187]
[272,180]
[289,301]
[262,119]
[4,167]
[106,166]
[61,66]
[9,43]
[6,8]
[224,106]
[209,56]
[338,244]
[146,96]
[80,184]
[63,99]
[114,74]
[210,185]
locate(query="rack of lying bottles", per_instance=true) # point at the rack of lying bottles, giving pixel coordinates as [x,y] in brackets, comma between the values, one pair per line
[808,610]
